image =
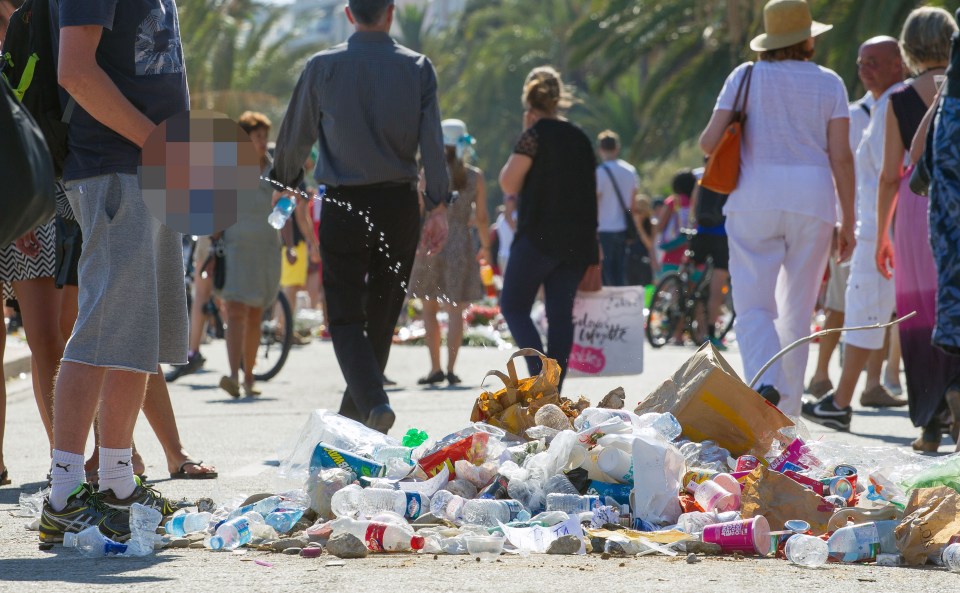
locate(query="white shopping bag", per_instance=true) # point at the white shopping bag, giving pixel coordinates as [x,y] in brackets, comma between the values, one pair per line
[608,334]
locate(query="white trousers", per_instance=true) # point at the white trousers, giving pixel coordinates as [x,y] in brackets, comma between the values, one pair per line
[777,260]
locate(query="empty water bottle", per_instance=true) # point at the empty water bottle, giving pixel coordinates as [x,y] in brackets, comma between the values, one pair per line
[807,550]
[93,544]
[694,523]
[489,512]
[283,520]
[144,521]
[379,537]
[951,557]
[668,426]
[282,212]
[234,533]
[346,501]
[572,503]
[856,543]
[262,507]
[447,505]
[181,525]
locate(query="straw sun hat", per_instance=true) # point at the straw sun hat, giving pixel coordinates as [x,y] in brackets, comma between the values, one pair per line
[786,23]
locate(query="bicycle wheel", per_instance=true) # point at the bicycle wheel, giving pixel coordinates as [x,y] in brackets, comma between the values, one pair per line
[724,321]
[666,310]
[276,338]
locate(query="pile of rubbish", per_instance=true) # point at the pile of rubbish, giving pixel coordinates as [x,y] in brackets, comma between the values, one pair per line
[703,466]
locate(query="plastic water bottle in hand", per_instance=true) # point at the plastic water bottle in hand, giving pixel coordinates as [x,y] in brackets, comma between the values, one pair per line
[807,550]
[282,211]
[93,544]
[181,525]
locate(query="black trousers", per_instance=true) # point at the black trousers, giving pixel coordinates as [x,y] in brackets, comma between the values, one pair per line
[368,240]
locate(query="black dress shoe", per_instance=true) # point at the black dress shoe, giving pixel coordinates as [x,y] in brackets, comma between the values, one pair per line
[453,379]
[432,378]
[381,418]
[769,393]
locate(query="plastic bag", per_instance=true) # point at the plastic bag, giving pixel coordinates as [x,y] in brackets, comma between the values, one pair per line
[322,486]
[336,430]
[658,469]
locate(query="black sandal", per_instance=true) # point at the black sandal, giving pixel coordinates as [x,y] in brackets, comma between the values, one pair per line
[432,378]
[5,477]
[453,379]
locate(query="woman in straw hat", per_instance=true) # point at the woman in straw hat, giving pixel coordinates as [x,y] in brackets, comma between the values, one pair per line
[795,162]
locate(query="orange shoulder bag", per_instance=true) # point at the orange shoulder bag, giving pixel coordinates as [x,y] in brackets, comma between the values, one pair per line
[723,166]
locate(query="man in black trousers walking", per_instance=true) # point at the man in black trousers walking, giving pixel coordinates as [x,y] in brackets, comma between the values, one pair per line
[371,103]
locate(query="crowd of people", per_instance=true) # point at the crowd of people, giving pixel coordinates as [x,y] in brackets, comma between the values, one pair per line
[824,185]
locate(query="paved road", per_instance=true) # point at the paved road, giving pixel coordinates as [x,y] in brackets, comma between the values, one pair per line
[245,438]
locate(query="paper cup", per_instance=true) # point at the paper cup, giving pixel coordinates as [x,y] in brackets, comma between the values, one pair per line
[751,536]
[616,464]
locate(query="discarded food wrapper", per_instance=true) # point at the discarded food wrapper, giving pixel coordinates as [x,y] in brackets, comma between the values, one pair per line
[712,403]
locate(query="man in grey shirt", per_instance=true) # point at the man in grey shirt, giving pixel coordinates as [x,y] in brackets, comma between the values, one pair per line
[371,103]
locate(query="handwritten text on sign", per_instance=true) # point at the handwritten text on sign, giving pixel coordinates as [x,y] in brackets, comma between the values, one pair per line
[608,332]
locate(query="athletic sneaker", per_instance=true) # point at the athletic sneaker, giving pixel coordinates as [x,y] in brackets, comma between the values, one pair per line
[84,509]
[145,495]
[826,413]
[717,343]
[194,364]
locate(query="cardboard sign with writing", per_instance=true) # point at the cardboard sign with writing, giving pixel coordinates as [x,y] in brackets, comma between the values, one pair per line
[711,403]
[608,336]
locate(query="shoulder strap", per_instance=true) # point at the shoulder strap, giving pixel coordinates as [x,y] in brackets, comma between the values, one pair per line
[745,92]
[616,188]
[866,108]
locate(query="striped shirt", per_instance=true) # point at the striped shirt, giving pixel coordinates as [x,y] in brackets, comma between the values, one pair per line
[371,103]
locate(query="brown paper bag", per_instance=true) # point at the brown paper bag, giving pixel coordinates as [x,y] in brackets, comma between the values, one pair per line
[779,499]
[514,407]
[931,518]
[711,402]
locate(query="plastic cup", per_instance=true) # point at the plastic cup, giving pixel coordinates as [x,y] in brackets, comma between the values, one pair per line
[749,535]
[486,548]
[712,496]
[729,483]
[616,464]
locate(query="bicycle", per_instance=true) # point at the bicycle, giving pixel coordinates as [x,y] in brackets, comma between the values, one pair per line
[276,332]
[682,297]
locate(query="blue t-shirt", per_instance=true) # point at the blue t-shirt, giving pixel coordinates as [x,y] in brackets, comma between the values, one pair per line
[140,51]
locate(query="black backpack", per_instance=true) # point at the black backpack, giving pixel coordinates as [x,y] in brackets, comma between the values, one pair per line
[28,63]
[710,207]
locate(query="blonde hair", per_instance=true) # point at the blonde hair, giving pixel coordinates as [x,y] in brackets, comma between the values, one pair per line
[253,120]
[543,90]
[925,38]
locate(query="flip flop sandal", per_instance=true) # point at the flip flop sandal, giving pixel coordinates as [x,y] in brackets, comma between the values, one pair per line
[5,477]
[182,475]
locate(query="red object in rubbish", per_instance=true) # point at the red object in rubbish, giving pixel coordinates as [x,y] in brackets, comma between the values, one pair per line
[472,448]
[689,504]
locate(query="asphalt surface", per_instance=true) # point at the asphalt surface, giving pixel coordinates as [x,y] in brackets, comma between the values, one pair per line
[246,438]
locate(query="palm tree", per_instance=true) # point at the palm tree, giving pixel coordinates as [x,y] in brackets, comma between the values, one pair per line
[412,20]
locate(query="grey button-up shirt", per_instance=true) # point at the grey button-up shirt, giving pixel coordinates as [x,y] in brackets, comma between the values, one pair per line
[372,103]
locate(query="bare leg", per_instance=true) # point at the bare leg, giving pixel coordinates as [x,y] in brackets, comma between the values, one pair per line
[251,344]
[236,334]
[874,368]
[68,311]
[432,326]
[454,335]
[828,344]
[40,308]
[853,360]
[891,376]
[202,288]
[76,398]
[158,409]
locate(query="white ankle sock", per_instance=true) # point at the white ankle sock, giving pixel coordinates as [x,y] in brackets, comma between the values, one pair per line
[66,473]
[116,472]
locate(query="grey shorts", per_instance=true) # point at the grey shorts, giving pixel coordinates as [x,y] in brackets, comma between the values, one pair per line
[132,303]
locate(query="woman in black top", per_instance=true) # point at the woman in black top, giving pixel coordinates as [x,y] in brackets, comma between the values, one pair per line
[550,179]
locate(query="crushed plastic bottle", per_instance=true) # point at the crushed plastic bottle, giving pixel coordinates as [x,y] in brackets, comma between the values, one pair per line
[347,501]
[186,523]
[951,557]
[262,507]
[807,550]
[694,523]
[144,521]
[447,505]
[282,520]
[858,543]
[93,544]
